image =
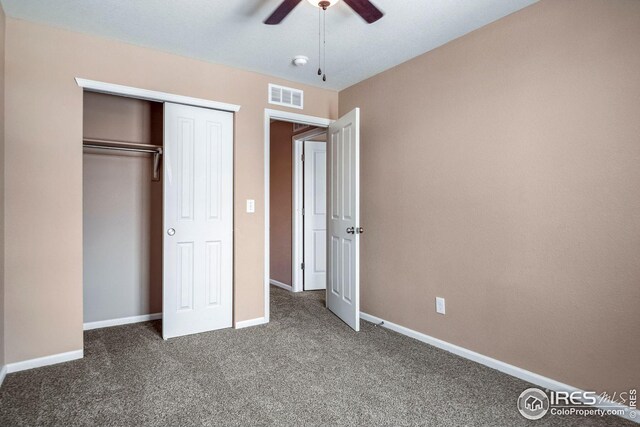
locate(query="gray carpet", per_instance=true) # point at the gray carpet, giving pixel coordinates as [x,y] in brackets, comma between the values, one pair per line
[304,368]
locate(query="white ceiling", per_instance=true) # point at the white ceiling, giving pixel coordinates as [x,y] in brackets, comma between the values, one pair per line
[231,31]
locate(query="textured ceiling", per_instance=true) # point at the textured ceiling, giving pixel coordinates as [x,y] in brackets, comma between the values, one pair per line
[231,31]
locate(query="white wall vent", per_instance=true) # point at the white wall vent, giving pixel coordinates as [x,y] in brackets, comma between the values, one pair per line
[286,96]
[297,127]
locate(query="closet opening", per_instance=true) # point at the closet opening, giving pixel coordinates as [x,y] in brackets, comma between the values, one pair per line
[122,210]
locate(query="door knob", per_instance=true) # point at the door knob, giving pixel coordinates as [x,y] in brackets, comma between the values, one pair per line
[359,230]
[171,232]
[351,230]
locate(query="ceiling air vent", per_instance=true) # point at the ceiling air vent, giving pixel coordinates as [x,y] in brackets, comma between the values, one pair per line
[286,96]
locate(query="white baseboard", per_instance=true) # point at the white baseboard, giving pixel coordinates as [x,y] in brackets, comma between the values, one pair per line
[512,370]
[251,322]
[44,361]
[281,285]
[3,373]
[122,321]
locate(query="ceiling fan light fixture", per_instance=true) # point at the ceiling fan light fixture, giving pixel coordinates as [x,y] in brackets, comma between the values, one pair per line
[319,3]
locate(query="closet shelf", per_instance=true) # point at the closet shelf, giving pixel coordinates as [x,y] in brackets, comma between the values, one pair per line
[107,144]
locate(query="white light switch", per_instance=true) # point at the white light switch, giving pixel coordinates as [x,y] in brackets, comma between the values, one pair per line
[440,305]
[251,206]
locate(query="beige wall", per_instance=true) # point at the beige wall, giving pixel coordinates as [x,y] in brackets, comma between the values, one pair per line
[122,119]
[122,211]
[43,276]
[280,193]
[2,41]
[501,171]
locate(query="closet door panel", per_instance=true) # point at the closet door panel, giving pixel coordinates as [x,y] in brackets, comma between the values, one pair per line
[185,152]
[213,278]
[185,276]
[198,220]
[214,170]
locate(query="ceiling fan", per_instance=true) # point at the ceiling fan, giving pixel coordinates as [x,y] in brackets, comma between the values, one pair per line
[364,8]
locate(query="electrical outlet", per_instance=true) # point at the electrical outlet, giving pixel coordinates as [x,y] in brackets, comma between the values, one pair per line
[440,305]
[251,206]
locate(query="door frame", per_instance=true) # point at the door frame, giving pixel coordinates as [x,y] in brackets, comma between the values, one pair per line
[285,116]
[297,193]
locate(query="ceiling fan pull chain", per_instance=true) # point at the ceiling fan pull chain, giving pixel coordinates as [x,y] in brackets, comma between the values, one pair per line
[319,44]
[324,43]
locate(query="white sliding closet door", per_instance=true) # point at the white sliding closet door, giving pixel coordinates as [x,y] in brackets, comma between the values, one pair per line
[198,220]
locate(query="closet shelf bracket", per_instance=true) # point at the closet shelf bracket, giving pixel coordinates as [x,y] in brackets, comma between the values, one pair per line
[156,164]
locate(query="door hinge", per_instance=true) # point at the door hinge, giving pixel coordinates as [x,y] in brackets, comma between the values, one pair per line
[302,157]
[302,266]
[302,211]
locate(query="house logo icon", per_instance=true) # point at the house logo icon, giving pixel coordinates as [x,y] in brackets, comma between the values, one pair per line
[533,403]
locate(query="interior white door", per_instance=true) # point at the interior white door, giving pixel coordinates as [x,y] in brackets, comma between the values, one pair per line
[315,215]
[343,244]
[198,220]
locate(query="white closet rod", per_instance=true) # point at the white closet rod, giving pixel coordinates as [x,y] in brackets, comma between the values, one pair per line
[106,144]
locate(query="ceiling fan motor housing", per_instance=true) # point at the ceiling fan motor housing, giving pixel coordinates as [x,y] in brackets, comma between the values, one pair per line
[323,4]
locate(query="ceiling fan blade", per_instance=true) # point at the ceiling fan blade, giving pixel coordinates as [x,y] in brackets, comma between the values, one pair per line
[366,9]
[281,12]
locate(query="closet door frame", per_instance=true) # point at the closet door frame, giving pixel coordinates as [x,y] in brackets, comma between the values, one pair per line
[151,95]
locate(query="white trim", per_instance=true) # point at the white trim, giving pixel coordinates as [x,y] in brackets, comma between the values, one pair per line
[251,322]
[297,274]
[286,116]
[152,95]
[297,230]
[121,321]
[3,374]
[281,285]
[309,134]
[44,361]
[498,365]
